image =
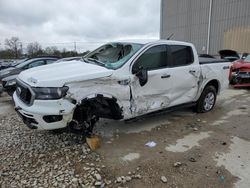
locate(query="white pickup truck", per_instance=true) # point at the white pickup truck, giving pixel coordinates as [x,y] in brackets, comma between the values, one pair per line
[121,81]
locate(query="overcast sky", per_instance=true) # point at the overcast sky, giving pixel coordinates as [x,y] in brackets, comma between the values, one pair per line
[51,22]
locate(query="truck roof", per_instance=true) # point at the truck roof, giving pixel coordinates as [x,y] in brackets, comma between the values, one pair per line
[153,41]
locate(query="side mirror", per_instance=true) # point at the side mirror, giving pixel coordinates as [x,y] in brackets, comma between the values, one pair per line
[142,74]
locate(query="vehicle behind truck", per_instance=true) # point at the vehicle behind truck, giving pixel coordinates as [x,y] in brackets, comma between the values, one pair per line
[120,81]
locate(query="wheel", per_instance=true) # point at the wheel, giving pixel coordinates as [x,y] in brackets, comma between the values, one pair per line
[207,100]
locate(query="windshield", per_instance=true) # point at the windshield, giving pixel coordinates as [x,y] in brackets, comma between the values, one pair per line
[22,64]
[113,55]
[17,62]
[247,59]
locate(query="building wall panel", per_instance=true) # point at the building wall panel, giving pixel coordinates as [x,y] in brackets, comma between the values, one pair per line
[188,21]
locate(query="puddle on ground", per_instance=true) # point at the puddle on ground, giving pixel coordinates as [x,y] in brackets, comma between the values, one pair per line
[109,127]
[237,161]
[230,93]
[188,142]
[229,114]
[131,157]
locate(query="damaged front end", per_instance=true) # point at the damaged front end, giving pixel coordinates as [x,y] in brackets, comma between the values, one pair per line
[88,112]
[240,77]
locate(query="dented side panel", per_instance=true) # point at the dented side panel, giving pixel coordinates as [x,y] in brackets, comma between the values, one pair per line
[214,71]
[154,95]
[108,87]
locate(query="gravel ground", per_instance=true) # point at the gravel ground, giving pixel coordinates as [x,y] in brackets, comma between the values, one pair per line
[44,159]
[192,150]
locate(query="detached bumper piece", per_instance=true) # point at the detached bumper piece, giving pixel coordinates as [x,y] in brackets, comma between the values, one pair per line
[241,79]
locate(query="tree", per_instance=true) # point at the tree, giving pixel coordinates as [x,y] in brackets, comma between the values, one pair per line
[34,49]
[14,46]
[52,50]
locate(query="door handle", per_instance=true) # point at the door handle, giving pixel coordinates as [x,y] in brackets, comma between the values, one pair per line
[226,67]
[165,76]
[192,71]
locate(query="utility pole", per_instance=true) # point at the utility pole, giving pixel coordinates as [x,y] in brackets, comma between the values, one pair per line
[21,46]
[209,25]
[75,46]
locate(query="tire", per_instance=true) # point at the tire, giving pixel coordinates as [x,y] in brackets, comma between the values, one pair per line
[207,100]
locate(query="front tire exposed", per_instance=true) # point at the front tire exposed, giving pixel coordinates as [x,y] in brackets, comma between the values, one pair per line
[207,100]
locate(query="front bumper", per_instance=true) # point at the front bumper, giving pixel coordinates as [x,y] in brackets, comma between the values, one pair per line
[240,79]
[35,116]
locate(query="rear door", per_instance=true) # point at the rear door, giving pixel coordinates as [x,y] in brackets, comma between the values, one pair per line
[184,74]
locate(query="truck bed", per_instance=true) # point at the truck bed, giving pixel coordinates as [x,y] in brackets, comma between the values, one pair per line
[205,60]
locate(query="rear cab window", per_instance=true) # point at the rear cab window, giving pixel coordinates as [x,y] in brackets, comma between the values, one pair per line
[181,55]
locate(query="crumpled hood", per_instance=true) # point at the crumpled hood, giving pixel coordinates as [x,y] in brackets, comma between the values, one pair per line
[241,64]
[59,74]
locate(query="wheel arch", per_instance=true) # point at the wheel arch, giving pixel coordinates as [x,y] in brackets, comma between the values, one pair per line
[102,105]
[214,83]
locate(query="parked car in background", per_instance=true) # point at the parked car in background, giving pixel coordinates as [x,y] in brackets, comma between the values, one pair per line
[121,81]
[229,55]
[240,73]
[11,73]
[9,83]
[68,59]
[5,65]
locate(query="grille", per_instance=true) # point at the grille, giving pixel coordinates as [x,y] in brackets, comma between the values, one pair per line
[23,93]
[245,81]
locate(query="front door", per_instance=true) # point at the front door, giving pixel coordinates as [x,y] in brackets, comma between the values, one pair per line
[154,95]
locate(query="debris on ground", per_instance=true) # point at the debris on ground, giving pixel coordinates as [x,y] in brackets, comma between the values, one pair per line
[164,179]
[195,129]
[223,143]
[124,179]
[222,178]
[94,142]
[151,144]
[191,159]
[177,164]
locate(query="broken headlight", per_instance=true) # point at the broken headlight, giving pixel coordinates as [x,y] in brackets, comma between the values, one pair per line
[44,93]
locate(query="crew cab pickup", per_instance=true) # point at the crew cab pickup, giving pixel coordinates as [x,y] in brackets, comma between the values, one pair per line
[121,81]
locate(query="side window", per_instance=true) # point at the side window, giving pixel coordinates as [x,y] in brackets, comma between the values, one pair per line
[154,58]
[181,55]
[36,64]
[49,61]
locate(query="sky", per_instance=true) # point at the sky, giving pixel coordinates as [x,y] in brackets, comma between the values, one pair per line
[89,23]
